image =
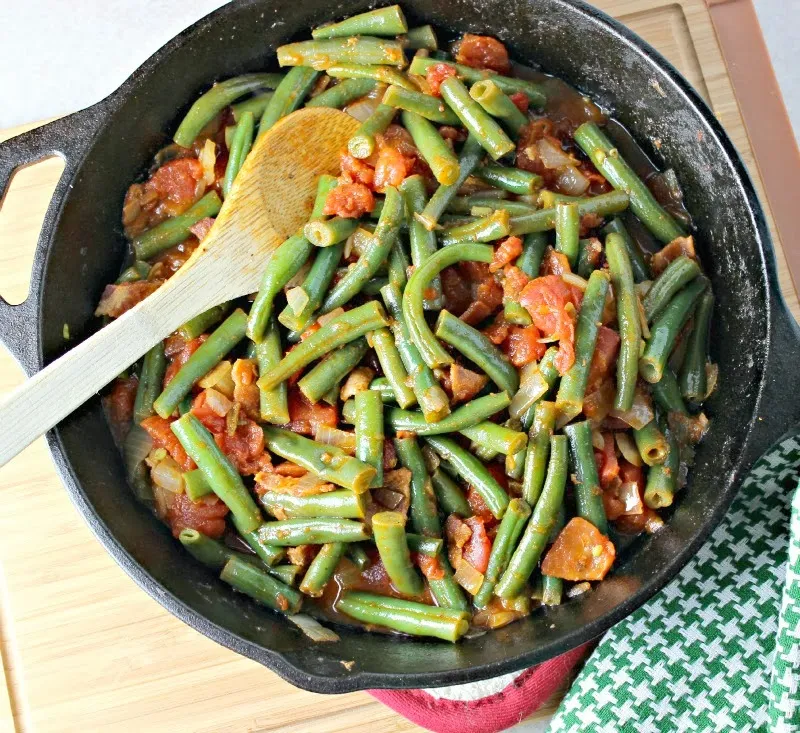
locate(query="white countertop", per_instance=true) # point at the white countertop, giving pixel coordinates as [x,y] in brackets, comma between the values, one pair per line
[57,57]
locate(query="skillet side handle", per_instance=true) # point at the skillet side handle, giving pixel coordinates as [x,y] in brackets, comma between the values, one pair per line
[779,410]
[69,138]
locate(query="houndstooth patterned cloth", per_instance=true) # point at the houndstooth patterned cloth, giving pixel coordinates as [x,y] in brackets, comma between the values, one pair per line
[719,648]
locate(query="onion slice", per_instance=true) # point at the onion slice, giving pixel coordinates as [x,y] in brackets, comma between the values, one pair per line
[532,386]
[312,628]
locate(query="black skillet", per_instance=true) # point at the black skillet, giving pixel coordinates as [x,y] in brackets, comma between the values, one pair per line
[81,248]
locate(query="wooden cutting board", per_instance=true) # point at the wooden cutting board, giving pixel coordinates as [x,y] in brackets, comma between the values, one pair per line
[82,647]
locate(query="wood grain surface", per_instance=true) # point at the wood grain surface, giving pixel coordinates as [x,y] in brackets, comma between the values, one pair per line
[82,647]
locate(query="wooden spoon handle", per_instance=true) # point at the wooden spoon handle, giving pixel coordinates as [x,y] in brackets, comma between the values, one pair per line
[65,384]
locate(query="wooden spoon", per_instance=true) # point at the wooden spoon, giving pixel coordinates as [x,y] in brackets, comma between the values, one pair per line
[272,197]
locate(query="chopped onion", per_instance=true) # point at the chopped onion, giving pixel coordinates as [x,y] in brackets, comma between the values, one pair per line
[628,448]
[138,444]
[532,386]
[598,441]
[208,159]
[358,241]
[643,319]
[357,381]
[468,577]
[640,413]
[323,319]
[643,288]
[167,475]
[490,619]
[297,299]
[333,436]
[217,402]
[653,523]
[232,419]
[571,181]
[310,484]
[362,108]
[579,589]
[551,155]
[220,379]
[572,279]
[628,494]
[155,456]
[312,628]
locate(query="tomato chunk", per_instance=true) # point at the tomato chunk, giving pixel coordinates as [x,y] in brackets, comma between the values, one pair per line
[207,515]
[430,566]
[350,201]
[606,460]
[478,547]
[436,74]
[523,346]
[391,167]
[245,448]
[580,552]
[159,430]
[306,418]
[505,253]
[119,299]
[520,99]
[483,52]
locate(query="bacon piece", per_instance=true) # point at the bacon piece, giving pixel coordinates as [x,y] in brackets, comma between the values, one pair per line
[120,298]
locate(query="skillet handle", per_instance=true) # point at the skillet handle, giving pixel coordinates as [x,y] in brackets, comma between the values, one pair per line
[69,138]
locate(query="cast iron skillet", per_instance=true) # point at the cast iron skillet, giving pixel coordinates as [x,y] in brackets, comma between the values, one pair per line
[81,248]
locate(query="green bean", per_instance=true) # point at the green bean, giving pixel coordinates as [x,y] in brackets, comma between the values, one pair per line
[390,537]
[341,94]
[383,388]
[208,106]
[322,567]
[314,286]
[533,247]
[568,224]
[373,286]
[534,91]
[137,271]
[638,265]
[514,180]
[662,479]
[589,251]
[667,393]
[151,377]
[223,478]
[482,205]
[442,161]
[429,348]
[515,313]
[273,403]
[369,432]
[651,443]
[693,372]
[407,617]
[329,232]
[680,272]
[470,156]
[497,104]
[545,219]
[525,558]
[630,329]
[488,229]
[476,347]
[373,256]
[432,399]
[552,589]
[312,531]
[362,143]
[491,136]
[397,265]
[229,333]
[326,461]
[195,484]
[544,421]
[268,554]
[376,74]
[495,437]
[175,230]
[388,21]
[588,494]
[569,401]
[198,325]
[423,511]
[392,365]
[471,470]
[666,328]
[470,414]
[240,147]
[425,105]
[505,542]
[322,53]
[286,573]
[269,591]
[288,96]
[207,551]
[422,545]
[341,503]
[340,330]
[445,591]
[449,494]
[358,555]
[420,37]
[621,176]
[256,104]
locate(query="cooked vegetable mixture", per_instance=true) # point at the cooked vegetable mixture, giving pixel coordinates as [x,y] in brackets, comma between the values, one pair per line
[475,369]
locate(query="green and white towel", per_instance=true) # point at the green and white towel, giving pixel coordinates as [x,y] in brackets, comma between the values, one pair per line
[719,648]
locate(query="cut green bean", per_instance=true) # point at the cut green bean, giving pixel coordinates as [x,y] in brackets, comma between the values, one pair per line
[314,286]
[343,93]
[288,96]
[273,404]
[533,247]
[358,555]
[505,542]
[445,591]
[651,443]
[208,106]
[312,531]
[376,74]
[175,230]
[680,272]
[420,37]
[286,573]
[545,219]
[545,513]
[256,104]
[229,333]
[362,143]
[383,388]
[390,538]
[422,241]
[223,478]
[151,377]
[471,470]
[513,180]
[495,437]
[195,485]
[341,503]
[268,554]
[137,271]
[369,432]
[665,330]
[259,585]
[392,365]
[638,265]
[321,569]
[423,511]
[544,421]
[621,176]
[326,461]
[427,106]
[588,494]
[552,588]
[198,325]
[498,104]
[589,252]
[323,53]
[662,479]
[667,393]
[329,232]
[628,320]
[449,495]
[422,545]
[388,21]
[694,384]
[240,147]
[568,224]
[487,229]
[204,549]
[441,159]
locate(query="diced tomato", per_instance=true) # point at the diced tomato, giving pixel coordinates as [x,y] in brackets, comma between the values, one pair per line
[483,52]
[120,298]
[670,252]
[391,167]
[554,263]
[520,99]
[505,253]
[159,430]
[245,448]
[202,227]
[478,311]
[355,170]
[523,346]
[604,358]
[179,355]
[606,460]
[349,200]
[479,546]
[478,505]
[200,409]
[245,389]
[306,417]
[436,74]
[119,402]
[400,139]
[175,183]
[514,282]
[580,552]
[206,516]
[430,566]
[629,473]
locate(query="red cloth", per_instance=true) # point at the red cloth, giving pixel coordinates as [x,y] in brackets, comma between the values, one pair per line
[494,712]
